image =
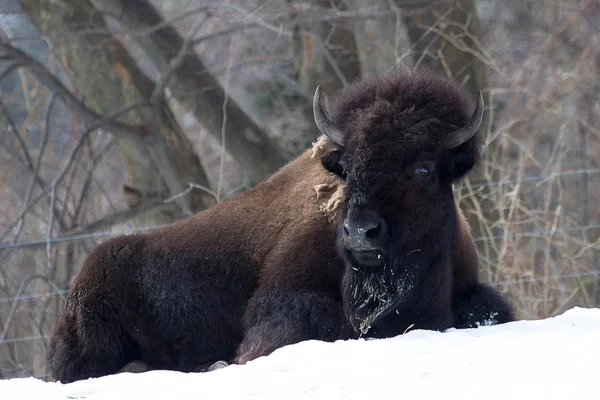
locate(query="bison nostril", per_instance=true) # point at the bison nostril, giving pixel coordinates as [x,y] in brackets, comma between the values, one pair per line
[372,233]
[346,230]
[364,229]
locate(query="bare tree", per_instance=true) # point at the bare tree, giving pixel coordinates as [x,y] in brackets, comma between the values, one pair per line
[376,37]
[444,38]
[109,80]
[325,52]
[196,88]
[116,114]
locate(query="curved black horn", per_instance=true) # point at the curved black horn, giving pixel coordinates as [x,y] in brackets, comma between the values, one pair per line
[465,133]
[325,125]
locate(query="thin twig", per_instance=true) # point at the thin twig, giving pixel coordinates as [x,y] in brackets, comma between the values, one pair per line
[157,96]
[11,68]
[189,189]
[36,171]
[12,128]
[98,123]
[119,217]
[89,116]
[71,184]
[13,308]
[49,231]
[224,124]
[88,179]
[53,192]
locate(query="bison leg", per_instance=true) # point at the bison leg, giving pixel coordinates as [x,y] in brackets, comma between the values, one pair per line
[212,367]
[136,367]
[89,341]
[276,320]
[482,305]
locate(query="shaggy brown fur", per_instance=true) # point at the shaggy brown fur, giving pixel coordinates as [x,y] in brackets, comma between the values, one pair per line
[175,297]
[264,270]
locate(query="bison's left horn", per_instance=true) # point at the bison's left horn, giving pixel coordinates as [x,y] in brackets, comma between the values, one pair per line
[465,133]
[325,125]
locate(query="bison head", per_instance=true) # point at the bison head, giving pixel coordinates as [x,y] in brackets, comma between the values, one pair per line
[401,143]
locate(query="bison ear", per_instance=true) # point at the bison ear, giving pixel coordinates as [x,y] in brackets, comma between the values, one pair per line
[331,162]
[456,163]
[123,253]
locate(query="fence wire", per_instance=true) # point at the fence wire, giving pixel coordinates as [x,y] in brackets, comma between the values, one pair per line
[21,301]
[532,178]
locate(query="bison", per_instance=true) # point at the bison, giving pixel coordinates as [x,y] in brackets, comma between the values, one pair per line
[359,236]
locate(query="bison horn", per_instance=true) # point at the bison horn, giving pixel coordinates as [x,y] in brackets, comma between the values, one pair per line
[465,133]
[325,125]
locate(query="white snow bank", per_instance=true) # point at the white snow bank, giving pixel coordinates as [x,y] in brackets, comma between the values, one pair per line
[556,358]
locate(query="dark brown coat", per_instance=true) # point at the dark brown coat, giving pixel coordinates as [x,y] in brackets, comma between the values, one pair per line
[246,277]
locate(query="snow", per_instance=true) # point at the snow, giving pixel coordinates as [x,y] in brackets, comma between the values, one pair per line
[555,358]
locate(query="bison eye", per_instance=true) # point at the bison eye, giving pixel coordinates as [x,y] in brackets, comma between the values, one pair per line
[423,171]
[332,162]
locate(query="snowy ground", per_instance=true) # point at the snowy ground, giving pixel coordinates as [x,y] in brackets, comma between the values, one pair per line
[557,358]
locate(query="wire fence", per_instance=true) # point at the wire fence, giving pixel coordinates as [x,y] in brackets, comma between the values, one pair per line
[527,179]
[42,296]
[535,234]
[499,283]
[545,264]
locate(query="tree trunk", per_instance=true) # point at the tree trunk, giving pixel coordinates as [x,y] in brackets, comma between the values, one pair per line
[198,91]
[108,80]
[442,40]
[311,40]
[375,38]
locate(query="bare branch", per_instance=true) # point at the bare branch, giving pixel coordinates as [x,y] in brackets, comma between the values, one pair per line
[224,32]
[197,90]
[192,186]
[61,174]
[224,126]
[13,308]
[89,116]
[11,68]
[12,127]
[53,192]
[88,179]
[36,171]
[49,231]
[120,217]
[158,94]
[71,184]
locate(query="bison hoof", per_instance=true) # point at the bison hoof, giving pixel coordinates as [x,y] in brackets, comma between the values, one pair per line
[217,365]
[135,367]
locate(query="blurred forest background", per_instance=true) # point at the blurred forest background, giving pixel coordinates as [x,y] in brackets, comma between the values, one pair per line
[122,115]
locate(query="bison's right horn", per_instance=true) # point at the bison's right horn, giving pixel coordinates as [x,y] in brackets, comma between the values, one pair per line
[465,133]
[325,125]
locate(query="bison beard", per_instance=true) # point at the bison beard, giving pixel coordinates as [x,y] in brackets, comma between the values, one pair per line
[368,296]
